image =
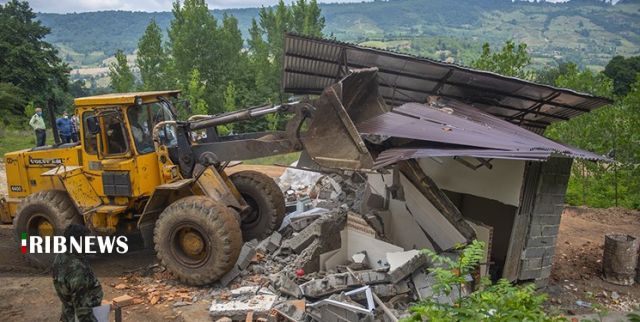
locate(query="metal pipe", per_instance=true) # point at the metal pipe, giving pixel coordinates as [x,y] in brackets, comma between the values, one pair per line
[241,115]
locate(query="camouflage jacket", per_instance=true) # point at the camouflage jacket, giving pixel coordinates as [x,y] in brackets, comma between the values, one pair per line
[77,287]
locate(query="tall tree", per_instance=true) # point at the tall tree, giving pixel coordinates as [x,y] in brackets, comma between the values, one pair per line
[152,59]
[266,37]
[29,66]
[511,60]
[122,79]
[623,72]
[198,42]
[610,130]
[194,36]
[194,91]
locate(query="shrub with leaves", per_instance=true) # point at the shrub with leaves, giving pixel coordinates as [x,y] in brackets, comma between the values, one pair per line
[501,301]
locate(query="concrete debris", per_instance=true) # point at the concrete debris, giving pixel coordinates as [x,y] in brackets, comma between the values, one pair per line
[360,261]
[270,244]
[288,286]
[294,310]
[244,300]
[403,264]
[301,220]
[334,283]
[247,253]
[331,262]
[230,276]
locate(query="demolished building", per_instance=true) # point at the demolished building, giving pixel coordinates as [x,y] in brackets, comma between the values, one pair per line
[459,151]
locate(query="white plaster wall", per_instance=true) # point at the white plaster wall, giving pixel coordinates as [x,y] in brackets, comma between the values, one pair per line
[502,183]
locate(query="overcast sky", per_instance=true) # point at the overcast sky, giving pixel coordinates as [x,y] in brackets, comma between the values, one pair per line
[64,6]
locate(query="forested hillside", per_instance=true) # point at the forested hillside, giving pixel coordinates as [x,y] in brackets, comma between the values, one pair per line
[587,32]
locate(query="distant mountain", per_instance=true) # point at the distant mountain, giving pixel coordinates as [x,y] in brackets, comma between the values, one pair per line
[588,32]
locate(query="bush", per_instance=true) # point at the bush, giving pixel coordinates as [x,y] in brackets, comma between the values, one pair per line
[501,301]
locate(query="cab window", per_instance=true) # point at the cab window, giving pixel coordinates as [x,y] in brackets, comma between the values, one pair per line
[142,120]
[115,141]
[90,139]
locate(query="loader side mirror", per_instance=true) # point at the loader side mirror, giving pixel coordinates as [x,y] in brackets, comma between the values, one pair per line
[93,125]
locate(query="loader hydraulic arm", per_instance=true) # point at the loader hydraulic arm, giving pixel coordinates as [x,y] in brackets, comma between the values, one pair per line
[322,128]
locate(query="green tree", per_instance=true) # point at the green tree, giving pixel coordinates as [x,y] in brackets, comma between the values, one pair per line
[122,79]
[623,72]
[511,60]
[230,97]
[266,48]
[194,91]
[609,130]
[29,66]
[198,42]
[152,59]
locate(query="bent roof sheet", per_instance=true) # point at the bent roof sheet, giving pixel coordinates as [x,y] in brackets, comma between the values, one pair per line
[451,128]
[311,64]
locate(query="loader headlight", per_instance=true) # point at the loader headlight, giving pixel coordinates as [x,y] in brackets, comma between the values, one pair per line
[138,101]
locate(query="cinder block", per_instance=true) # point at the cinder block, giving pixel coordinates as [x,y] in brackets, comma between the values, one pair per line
[541,241]
[535,230]
[545,271]
[247,252]
[529,274]
[545,220]
[551,231]
[532,263]
[535,252]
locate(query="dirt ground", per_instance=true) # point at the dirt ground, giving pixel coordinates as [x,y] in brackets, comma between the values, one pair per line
[27,294]
[577,269]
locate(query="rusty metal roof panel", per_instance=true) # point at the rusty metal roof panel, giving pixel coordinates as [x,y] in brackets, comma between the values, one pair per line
[310,65]
[446,127]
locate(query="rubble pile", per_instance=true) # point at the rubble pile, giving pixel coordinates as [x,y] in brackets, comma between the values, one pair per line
[326,263]
[329,261]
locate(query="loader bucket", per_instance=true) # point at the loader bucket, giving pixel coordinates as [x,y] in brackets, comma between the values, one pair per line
[332,140]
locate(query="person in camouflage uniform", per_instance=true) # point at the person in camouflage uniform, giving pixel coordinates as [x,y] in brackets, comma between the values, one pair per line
[74,281]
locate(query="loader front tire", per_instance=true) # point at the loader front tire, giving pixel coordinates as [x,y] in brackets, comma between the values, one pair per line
[197,239]
[266,201]
[44,213]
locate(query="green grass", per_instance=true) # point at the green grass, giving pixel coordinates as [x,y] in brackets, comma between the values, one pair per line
[14,140]
[284,159]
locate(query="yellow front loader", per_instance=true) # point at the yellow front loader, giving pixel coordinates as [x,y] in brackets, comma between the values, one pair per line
[137,168]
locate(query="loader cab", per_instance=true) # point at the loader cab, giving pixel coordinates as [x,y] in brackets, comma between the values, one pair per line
[117,142]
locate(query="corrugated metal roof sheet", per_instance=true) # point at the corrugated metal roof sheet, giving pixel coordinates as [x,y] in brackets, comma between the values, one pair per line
[446,127]
[311,64]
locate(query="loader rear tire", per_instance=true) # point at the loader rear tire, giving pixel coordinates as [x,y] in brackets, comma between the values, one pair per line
[197,239]
[266,201]
[44,213]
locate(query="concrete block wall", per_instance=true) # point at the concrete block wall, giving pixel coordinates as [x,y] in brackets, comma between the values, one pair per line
[540,244]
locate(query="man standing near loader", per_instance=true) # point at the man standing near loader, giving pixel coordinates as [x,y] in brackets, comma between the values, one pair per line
[74,281]
[37,123]
[64,127]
